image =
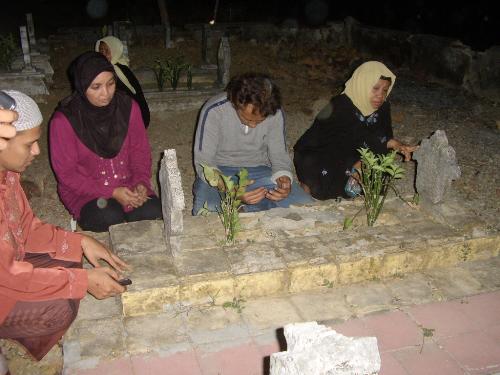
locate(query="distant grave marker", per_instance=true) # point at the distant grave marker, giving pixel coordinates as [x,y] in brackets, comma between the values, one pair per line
[26,49]
[224,61]
[31,30]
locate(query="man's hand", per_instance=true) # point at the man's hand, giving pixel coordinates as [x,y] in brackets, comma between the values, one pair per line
[254,196]
[102,283]
[281,191]
[6,129]
[95,251]
[125,196]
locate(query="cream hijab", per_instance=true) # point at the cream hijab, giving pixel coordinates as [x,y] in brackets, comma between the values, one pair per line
[116,48]
[359,86]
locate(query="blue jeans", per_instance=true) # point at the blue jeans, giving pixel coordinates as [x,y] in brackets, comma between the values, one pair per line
[203,192]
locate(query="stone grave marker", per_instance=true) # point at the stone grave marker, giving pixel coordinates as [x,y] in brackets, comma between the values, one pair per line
[31,31]
[224,61]
[26,49]
[314,349]
[436,167]
[172,200]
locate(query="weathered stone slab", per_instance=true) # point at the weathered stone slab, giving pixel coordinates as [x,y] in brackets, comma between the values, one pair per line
[172,199]
[179,100]
[140,237]
[253,258]
[89,341]
[150,271]
[437,167]
[31,83]
[329,305]
[210,261]
[157,333]
[366,298]
[314,349]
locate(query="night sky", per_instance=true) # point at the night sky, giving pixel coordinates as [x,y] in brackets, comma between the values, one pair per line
[474,23]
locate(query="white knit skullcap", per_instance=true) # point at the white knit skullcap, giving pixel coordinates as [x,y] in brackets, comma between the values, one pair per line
[29,114]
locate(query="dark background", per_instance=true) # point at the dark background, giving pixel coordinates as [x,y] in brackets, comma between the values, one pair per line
[474,23]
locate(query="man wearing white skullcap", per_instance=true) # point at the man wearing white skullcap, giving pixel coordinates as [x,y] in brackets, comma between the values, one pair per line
[41,275]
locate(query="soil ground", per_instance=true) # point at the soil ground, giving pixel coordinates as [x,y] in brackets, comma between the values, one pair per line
[308,76]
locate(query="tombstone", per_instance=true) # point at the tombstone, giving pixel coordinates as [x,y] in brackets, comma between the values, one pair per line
[223,61]
[26,49]
[207,52]
[172,200]
[436,167]
[314,349]
[125,48]
[31,31]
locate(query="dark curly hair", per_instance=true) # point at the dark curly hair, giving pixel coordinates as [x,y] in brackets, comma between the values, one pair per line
[256,89]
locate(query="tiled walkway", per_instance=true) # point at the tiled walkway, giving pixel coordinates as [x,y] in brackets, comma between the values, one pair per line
[463,338]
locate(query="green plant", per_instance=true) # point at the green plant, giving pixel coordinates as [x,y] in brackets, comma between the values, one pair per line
[169,69]
[426,332]
[189,76]
[377,175]
[230,191]
[237,303]
[7,51]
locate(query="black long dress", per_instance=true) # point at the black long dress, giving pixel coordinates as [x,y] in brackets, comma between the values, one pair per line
[328,149]
[138,96]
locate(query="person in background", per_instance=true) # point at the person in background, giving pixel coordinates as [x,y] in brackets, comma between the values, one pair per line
[41,274]
[112,48]
[326,156]
[245,128]
[100,151]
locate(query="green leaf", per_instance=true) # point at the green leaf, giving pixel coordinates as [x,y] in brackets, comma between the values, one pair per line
[348,222]
[212,175]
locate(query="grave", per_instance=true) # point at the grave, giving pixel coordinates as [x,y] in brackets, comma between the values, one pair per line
[31,70]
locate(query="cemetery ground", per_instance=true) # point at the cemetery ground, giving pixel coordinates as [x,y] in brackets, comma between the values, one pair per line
[424,281]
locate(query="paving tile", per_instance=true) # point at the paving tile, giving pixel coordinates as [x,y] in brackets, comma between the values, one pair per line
[352,328]
[366,298]
[394,330]
[494,332]
[121,366]
[475,351]
[431,361]
[454,282]
[486,272]
[269,313]
[158,333]
[390,366]
[181,363]
[240,359]
[484,309]
[215,324]
[445,318]
[411,289]
[322,306]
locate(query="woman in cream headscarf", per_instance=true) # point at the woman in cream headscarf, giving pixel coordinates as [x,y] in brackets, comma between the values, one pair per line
[360,116]
[112,48]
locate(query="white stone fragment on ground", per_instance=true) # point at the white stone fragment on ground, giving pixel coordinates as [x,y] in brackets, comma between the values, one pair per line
[172,199]
[315,349]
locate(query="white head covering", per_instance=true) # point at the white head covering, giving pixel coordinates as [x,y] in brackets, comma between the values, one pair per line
[359,86]
[29,114]
[117,57]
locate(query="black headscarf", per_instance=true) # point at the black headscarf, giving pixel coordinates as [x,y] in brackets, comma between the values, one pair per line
[101,129]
